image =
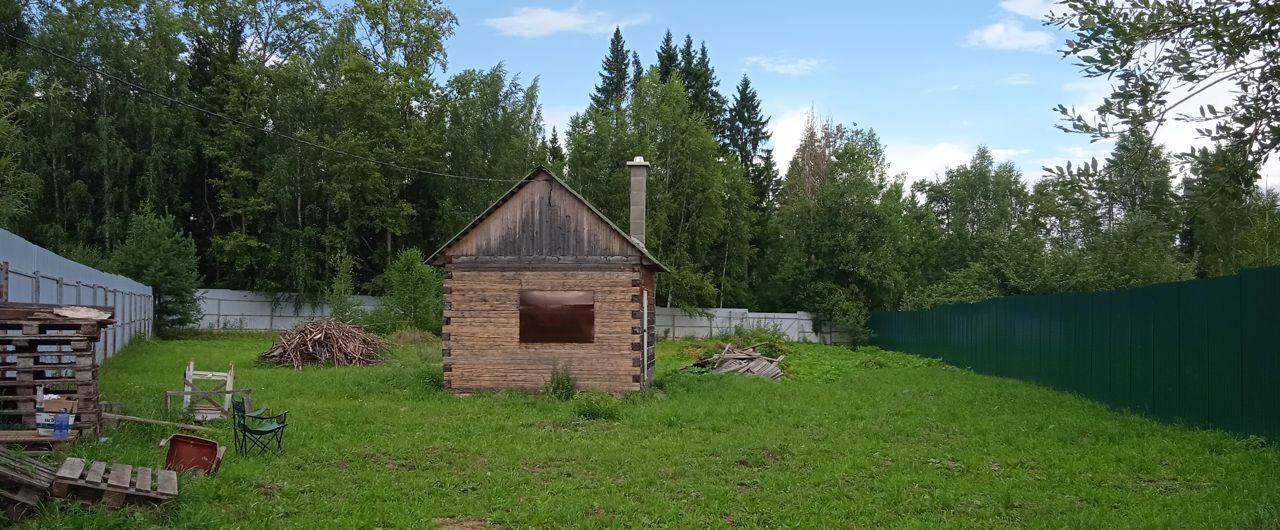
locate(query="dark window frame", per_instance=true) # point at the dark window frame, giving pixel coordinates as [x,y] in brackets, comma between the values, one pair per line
[557,316]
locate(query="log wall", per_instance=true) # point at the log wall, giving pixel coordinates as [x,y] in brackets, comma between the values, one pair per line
[482,349]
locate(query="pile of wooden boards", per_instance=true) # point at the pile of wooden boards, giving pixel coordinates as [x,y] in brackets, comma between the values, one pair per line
[325,341]
[25,482]
[732,360]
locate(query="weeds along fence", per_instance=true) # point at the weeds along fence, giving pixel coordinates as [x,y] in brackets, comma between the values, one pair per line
[1204,352]
[32,274]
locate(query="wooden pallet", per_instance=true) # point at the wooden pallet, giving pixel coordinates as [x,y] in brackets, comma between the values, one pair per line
[24,482]
[32,442]
[114,484]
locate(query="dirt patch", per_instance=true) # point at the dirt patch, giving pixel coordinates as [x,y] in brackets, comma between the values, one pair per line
[461,523]
[767,456]
[949,464]
[267,489]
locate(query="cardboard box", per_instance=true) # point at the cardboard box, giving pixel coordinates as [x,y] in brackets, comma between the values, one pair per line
[54,405]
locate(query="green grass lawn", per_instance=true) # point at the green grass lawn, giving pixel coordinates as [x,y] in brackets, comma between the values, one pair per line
[854,439]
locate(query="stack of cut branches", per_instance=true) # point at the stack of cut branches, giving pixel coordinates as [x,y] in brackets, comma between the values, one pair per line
[325,342]
[732,360]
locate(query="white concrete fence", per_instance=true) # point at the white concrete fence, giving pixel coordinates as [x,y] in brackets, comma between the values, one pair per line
[800,326]
[247,310]
[32,274]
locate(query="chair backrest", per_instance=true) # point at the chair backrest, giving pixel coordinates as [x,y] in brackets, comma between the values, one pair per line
[237,407]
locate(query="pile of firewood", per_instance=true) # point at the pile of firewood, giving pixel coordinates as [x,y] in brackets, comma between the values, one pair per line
[325,342]
[732,360]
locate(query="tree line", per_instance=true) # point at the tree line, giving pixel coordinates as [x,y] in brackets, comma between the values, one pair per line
[299,146]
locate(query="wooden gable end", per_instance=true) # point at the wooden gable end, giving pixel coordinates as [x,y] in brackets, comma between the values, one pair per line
[542,218]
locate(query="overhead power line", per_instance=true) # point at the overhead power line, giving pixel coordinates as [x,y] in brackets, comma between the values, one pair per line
[241,123]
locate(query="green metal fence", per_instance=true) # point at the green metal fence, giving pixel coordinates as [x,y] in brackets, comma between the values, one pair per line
[1204,352]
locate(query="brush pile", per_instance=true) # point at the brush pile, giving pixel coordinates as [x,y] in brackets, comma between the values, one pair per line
[732,360]
[325,341]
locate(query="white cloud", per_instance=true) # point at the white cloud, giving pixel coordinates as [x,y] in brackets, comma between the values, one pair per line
[1036,9]
[541,21]
[1008,35]
[1002,155]
[787,128]
[1018,79]
[924,161]
[785,65]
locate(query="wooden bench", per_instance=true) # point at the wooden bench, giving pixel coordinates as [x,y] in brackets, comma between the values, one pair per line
[114,484]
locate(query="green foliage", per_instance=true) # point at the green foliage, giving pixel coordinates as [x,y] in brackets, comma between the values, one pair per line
[20,186]
[592,405]
[338,296]
[157,253]
[970,284]
[614,80]
[1217,196]
[562,385]
[839,218]
[412,292]
[1158,53]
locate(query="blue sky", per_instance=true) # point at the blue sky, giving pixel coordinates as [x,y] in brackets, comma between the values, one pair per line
[934,80]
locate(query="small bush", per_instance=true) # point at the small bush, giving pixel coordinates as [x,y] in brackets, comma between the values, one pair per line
[411,292]
[597,406]
[561,385]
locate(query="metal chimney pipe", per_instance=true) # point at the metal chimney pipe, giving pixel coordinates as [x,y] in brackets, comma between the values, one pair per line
[639,180]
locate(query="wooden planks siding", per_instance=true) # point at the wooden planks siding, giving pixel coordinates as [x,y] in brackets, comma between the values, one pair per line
[482,330]
[543,219]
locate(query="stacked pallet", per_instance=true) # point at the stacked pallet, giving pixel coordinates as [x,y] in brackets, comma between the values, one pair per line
[48,348]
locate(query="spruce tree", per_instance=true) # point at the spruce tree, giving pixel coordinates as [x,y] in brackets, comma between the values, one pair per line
[700,86]
[613,74]
[747,132]
[157,253]
[637,70]
[668,57]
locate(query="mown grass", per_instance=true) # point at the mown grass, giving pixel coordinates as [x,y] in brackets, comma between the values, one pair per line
[854,439]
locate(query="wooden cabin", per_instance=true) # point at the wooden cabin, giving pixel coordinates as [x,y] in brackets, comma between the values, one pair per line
[541,280]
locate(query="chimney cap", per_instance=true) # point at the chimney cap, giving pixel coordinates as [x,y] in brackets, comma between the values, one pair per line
[639,161]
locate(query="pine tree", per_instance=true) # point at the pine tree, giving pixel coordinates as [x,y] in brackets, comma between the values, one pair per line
[614,72]
[668,58]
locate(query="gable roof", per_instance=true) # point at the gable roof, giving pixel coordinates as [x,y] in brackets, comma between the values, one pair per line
[437,257]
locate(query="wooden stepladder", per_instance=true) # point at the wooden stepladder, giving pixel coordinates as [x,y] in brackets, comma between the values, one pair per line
[203,401]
